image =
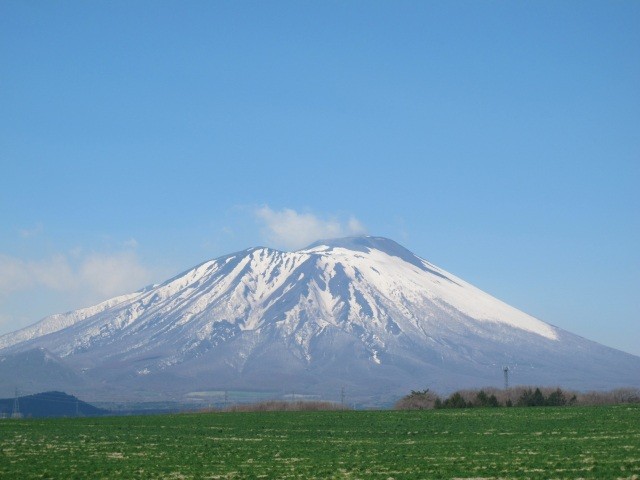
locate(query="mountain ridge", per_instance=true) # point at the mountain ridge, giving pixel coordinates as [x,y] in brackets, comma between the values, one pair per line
[359,311]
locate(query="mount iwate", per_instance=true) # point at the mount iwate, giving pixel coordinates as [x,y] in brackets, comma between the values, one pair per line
[360,313]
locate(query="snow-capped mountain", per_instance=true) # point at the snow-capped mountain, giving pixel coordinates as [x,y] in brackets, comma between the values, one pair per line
[362,313]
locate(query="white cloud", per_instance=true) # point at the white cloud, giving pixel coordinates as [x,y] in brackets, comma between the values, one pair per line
[355,226]
[113,274]
[31,289]
[131,243]
[34,231]
[14,274]
[290,229]
[91,276]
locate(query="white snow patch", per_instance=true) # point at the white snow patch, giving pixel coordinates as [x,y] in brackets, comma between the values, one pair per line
[403,280]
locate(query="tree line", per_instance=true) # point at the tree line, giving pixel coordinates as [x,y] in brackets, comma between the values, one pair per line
[515,397]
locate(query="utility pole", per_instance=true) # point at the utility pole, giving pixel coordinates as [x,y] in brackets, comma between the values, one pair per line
[342,398]
[16,407]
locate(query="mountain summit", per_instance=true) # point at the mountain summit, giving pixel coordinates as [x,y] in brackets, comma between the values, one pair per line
[363,313]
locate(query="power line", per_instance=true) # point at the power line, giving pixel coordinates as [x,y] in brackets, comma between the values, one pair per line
[16,407]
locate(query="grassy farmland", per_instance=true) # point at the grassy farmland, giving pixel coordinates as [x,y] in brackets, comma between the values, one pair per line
[569,442]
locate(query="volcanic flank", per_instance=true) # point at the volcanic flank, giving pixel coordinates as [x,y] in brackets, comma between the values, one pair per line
[360,313]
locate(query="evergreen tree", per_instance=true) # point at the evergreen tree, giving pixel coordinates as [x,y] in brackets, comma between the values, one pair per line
[482,400]
[455,401]
[556,399]
[538,399]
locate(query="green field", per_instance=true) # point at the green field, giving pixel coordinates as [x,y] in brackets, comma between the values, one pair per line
[566,442]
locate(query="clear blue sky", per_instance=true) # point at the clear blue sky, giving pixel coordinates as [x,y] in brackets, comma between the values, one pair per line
[498,140]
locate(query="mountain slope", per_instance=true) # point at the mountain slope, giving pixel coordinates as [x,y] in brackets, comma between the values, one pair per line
[50,404]
[361,312]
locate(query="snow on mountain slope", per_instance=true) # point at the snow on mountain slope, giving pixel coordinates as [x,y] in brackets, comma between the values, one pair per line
[355,310]
[333,285]
[400,282]
[59,321]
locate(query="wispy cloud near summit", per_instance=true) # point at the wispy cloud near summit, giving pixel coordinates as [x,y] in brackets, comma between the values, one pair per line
[290,229]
